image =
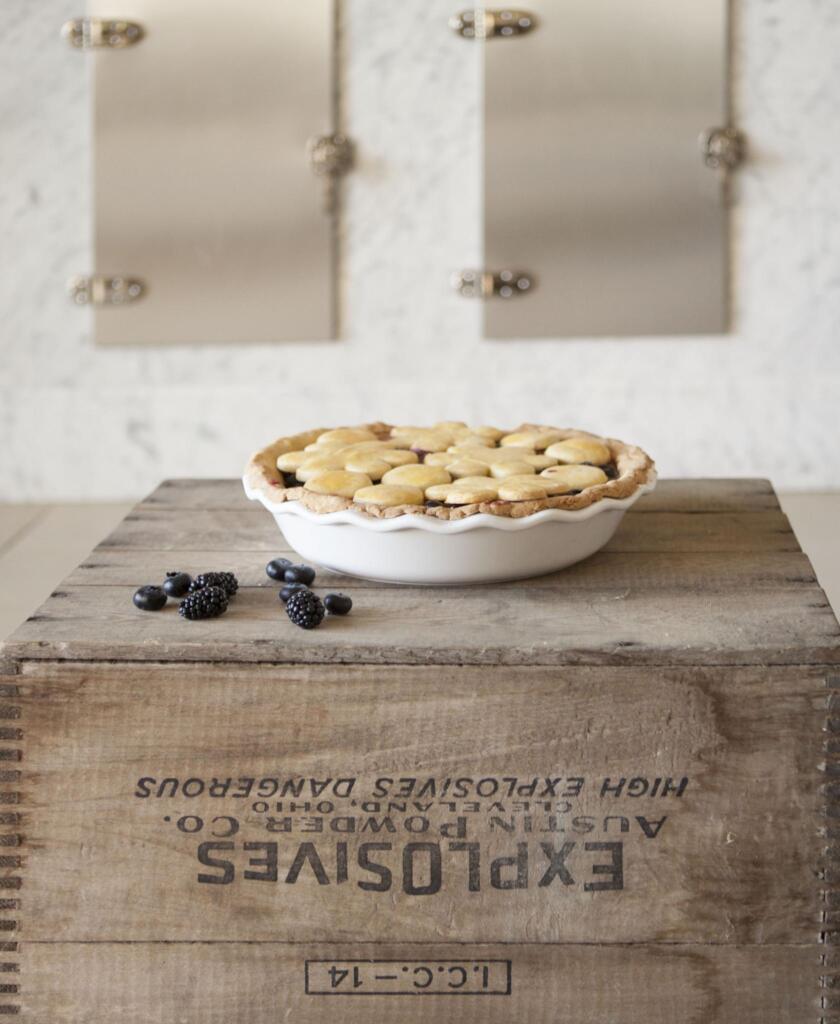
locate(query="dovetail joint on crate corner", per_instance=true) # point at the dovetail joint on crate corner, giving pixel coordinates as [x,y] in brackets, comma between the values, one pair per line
[10,847]
[829,871]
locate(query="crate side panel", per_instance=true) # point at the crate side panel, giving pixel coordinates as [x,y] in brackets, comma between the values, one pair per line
[583,805]
[266,983]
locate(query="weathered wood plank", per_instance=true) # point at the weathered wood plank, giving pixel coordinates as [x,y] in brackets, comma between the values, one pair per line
[722,849]
[253,529]
[740,494]
[699,571]
[721,495]
[472,625]
[264,984]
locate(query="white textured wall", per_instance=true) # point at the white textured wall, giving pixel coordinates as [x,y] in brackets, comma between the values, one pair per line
[79,422]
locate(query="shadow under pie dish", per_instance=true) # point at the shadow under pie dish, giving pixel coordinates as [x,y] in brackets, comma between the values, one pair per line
[448,503]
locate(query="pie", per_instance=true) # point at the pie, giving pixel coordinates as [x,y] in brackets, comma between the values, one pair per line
[448,471]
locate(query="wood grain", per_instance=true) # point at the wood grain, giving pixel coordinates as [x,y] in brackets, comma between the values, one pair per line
[726,857]
[471,625]
[717,586]
[698,571]
[253,529]
[264,984]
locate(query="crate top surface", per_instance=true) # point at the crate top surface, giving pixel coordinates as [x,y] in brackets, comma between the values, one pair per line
[701,572]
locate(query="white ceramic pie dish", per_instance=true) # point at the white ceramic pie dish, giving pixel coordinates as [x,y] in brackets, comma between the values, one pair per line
[416,549]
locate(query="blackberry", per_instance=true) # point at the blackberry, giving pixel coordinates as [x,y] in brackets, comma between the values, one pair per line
[305,609]
[338,604]
[226,580]
[277,567]
[149,599]
[177,584]
[299,574]
[289,589]
[206,603]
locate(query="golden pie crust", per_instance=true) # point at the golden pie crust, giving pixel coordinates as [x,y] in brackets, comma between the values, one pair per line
[634,468]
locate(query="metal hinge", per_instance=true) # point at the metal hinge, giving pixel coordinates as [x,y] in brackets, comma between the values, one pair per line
[330,154]
[490,284]
[330,157]
[723,149]
[112,33]
[101,290]
[480,23]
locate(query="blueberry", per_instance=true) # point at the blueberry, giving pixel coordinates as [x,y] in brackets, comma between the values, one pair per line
[277,567]
[177,584]
[289,589]
[299,574]
[337,604]
[150,599]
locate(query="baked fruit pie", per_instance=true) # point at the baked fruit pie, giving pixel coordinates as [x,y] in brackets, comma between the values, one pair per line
[448,471]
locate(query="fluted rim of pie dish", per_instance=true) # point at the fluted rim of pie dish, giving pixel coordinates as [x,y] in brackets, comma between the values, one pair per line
[264,481]
[418,521]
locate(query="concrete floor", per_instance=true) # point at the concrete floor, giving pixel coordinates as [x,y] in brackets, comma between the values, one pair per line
[40,544]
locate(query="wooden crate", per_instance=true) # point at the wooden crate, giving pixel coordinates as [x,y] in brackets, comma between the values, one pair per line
[597,797]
